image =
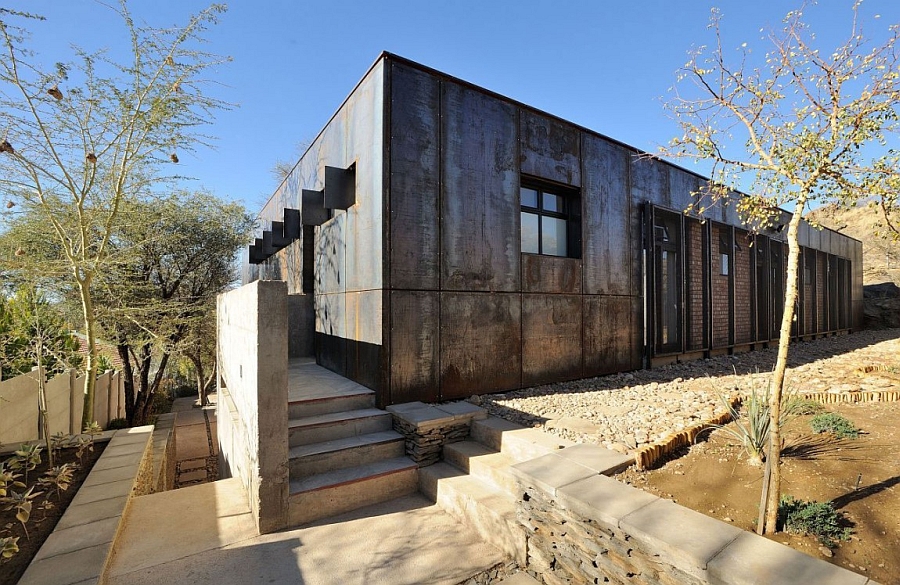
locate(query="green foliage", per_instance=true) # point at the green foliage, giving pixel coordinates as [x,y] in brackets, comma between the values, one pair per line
[22,504]
[83,446]
[832,422]
[26,459]
[117,423]
[26,320]
[812,518]
[58,478]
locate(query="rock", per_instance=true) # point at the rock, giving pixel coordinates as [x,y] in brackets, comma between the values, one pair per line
[826,552]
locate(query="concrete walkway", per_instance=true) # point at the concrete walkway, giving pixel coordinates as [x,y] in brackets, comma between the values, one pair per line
[206,534]
[195,443]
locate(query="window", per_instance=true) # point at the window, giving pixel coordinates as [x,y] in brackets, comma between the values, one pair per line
[550,224]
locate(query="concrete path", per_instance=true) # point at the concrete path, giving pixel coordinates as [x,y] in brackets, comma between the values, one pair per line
[206,534]
[195,441]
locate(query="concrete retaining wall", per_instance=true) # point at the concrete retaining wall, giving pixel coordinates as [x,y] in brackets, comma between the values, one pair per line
[587,528]
[20,416]
[253,396]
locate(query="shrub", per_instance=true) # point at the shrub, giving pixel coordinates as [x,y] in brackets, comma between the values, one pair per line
[832,422]
[805,406]
[812,518]
[117,423]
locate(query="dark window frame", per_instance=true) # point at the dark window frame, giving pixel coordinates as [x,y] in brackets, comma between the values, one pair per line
[570,214]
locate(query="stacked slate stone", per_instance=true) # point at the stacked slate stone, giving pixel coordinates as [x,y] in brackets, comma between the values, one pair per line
[426,428]
[566,548]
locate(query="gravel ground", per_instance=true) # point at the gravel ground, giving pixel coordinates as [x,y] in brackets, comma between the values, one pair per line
[626,411]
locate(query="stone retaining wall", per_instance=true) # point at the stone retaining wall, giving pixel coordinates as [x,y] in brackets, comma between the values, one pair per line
[583,527]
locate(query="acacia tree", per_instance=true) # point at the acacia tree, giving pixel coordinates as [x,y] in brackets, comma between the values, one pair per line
[806,125]
[178,254]
[80,139]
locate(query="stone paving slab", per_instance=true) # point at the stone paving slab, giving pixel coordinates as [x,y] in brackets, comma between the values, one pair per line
[401,542]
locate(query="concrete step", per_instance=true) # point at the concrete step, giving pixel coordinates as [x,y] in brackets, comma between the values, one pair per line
[306,460]
[485,508]
[335,492]
[328,404]
[337,425]
[482,462]
[515,441]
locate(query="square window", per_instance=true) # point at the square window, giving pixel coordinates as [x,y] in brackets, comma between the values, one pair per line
[548,226]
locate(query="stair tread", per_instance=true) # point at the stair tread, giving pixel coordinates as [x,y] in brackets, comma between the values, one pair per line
[335,417]
[351,474]
[333,396]
[345,443]
[484,493]
[485,455]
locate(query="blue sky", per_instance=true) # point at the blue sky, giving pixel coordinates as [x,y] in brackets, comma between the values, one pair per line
[605,65]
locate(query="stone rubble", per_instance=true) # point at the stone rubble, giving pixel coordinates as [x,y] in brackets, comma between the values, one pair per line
[628,410]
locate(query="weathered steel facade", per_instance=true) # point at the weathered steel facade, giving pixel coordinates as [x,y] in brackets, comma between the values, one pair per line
[422,291]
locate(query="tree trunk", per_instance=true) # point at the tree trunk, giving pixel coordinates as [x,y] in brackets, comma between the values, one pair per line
[784,340]
[128,382]
[90,369]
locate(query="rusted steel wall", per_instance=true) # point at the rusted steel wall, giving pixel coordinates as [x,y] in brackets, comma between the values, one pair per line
[421,289]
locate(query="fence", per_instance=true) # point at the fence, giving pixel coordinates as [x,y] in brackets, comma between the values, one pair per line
[19,406]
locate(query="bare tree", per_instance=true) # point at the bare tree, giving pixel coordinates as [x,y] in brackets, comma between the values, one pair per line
[804,125]
[82,138]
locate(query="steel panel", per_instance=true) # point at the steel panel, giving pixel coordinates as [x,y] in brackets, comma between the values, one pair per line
[681,185]
[649,181]
[609,236]
[415,179]
[330,314]
[415,346]
[363,316]
[550,149]
[330,246]
[551,338]
[481,343]
[480,241]
[550,274]
[612,334]
[803,236]
[313,210]
[815,238]
[340,187]
[730,213]
[825,241]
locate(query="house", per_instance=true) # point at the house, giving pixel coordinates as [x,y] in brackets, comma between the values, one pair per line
[440,240]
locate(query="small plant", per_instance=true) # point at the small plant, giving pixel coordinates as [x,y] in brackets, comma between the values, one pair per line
[832,422]
[26,459]
[22,504]
[58,478]
[8,480]
[83,446]
[93,429]
[812,518]
[59,441]
[805,406]
[752,421]
[9,546]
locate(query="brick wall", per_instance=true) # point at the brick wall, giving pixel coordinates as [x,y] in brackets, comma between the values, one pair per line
[743,293]
[693,234]
[821,324]
[809,275]
[720,291]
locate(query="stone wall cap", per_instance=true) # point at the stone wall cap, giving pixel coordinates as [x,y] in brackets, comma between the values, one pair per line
[550,472]
[683,538]
[751,559]
[463,410]
[604,461]
[419,414]
[603,498]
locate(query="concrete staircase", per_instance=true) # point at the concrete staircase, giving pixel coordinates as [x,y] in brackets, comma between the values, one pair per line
[344,454]
[474,483]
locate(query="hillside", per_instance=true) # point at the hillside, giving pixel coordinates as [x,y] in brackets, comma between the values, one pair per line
[881,261]
[881,256]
